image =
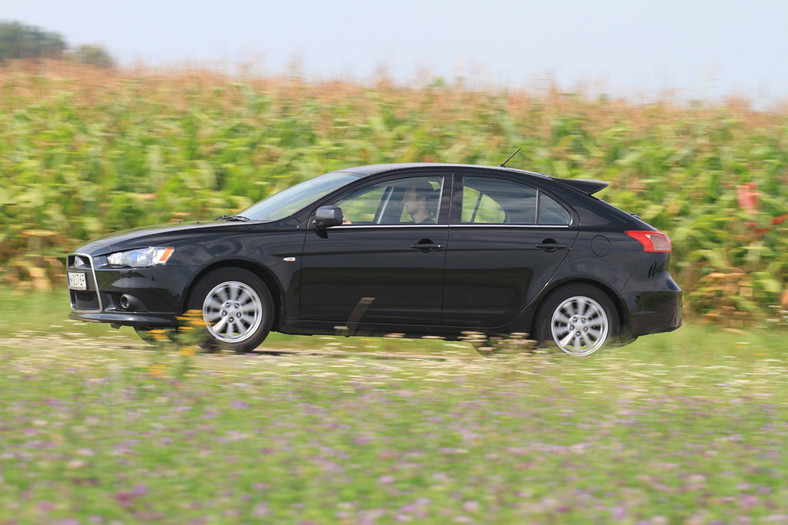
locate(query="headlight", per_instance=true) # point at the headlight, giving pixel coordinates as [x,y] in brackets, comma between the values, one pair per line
[141,258]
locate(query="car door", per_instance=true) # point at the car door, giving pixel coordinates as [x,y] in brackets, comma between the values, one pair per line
[506,239]
[383,265]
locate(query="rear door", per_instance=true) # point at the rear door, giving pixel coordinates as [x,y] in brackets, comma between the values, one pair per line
[506,239]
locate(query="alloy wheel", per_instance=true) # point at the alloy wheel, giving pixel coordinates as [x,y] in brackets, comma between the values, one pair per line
[232,311]
[579,325]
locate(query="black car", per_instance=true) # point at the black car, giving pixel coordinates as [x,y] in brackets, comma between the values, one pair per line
[417,249]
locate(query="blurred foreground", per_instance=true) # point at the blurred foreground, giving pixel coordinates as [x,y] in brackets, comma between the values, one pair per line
[686,427]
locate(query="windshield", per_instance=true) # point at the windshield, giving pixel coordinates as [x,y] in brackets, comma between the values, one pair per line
[289,201]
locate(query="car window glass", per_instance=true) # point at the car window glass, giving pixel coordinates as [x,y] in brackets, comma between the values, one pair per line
[480,208]
[497,201]
[411,200]
[362,208]
[297,197]
[550,212]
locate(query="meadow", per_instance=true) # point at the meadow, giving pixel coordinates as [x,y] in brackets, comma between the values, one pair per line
[84,152]
[96,427]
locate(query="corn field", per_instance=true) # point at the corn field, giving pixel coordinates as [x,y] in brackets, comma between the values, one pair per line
[84,152]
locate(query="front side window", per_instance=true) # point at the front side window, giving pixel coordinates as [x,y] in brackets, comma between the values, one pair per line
[411,200]
[487,200]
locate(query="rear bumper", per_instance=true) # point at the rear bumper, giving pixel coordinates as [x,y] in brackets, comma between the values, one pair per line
[655,311]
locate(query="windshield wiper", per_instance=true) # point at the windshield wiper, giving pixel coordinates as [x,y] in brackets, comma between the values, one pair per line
[237,218]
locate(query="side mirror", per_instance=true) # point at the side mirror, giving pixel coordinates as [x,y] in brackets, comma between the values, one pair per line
[327,216]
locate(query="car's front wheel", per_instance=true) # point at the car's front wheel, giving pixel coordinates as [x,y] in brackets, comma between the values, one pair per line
[580,319]
[237,309]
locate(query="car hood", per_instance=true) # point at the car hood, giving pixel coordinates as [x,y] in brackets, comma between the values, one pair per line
[161,234]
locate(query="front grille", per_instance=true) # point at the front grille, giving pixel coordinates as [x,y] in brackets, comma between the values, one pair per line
[84,300]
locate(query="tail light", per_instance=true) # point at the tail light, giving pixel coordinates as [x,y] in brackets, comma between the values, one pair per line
[652,241]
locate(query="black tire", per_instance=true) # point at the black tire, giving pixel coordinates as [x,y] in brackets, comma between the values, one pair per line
[237,309]
[579,318]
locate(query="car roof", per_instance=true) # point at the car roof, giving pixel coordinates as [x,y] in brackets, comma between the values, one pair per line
[585,186]
[374,169]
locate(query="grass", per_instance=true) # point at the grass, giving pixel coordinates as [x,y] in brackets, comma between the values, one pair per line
[686,427]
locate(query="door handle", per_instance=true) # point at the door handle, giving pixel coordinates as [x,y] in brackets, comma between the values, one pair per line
[549,245]
[426,245]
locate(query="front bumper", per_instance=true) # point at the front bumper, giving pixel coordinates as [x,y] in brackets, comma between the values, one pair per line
[127,319]
[145,297]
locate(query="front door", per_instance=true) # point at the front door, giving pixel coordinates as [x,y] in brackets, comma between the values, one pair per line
[385,264]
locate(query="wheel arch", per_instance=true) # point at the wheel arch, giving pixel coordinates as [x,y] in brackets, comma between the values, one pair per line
[260,271]
[618,302]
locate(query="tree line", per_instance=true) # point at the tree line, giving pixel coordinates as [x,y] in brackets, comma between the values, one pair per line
[20,41]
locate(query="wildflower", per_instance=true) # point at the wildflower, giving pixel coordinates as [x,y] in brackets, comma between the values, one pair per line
[471,506]
[158,334]
[748,196]
[157,370]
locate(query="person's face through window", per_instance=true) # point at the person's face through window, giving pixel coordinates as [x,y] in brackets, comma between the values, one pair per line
[413,203]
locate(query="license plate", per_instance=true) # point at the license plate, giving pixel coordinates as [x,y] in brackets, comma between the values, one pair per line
[76,281]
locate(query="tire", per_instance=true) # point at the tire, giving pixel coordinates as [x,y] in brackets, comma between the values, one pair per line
[579,318]
[237,309]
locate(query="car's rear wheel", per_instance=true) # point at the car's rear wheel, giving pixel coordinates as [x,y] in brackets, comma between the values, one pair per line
[580,319]
[237,309]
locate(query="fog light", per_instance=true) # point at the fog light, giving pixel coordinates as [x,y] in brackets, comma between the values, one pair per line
[129,302]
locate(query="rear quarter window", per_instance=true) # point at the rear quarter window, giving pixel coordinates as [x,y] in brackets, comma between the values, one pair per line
[550,212]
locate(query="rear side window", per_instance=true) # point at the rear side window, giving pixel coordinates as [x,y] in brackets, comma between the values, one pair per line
[550,212]
[487,200]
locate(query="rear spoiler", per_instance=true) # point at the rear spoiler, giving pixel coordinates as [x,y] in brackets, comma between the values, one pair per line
[589,187]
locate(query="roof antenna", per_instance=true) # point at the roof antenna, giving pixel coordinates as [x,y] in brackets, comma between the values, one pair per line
[503,165]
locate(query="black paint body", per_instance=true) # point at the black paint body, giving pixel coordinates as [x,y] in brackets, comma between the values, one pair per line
[377,279]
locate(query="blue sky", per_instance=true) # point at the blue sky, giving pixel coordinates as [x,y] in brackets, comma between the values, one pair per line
[695,48]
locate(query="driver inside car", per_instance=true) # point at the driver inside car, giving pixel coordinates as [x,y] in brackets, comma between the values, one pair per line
[418,200]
